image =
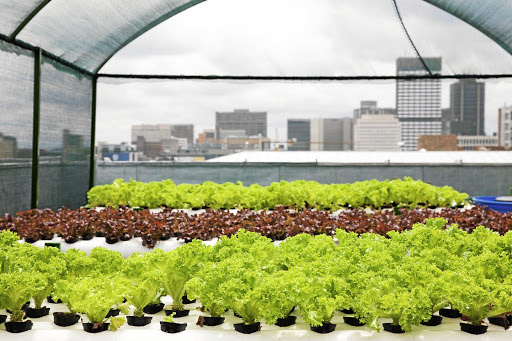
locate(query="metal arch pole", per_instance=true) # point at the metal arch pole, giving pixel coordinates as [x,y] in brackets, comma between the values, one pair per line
[29,18]
[36,129]
[92,164]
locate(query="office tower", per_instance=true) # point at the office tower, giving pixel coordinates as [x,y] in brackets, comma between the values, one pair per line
[183,131]
[299,131]
[418,101]
[505,127]
[240,123]
[331,134]
[467,107]
[377,133]
[371,108]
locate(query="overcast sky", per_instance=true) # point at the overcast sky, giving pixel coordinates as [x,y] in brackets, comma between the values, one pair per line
[286,38]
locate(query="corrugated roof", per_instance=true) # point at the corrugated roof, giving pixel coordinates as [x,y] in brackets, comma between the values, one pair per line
[445,158]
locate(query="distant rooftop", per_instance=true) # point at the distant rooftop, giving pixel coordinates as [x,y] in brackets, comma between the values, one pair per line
[387,158]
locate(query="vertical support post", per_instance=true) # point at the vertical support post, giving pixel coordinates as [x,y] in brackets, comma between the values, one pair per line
[36,129]
[92,164]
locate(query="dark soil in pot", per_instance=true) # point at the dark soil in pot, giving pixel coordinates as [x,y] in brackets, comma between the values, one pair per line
[165,237]
[3,318]
[37,313]
[170,327]
[185,300]
[178,313]
[209,321]
[347,311]
[113,312]
[88,236]
[396,329]
[49,299]
[153,308]
[110,240]
[247,328]
[434,321]
[18,327]
[138,321]
[95,327]
[450,313]
[473,329]
[352,321]
[324,328]
[287,321]
[126,237]
[65,319]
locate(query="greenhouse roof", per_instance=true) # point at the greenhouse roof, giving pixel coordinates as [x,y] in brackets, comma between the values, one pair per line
[377,158]
[88,33]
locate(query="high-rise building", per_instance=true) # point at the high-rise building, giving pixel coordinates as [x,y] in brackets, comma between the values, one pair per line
[467,107]
[240,123]
[183,131]
[299,131]
[370,108]
[330,134]
[377,133]
[159,132]
[418,101]
[505,127]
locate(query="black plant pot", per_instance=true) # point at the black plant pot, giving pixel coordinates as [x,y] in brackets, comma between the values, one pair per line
[65,319]
[185,300]
[352,321]
[49,299]
[236,314]
[247,328]
[434,321]
[37,313]
[71,240]
[110,240]
[165,237]
[178,313]
[3,318]
[30,240]
[170,327]
[138,321]
[499,321]
[324,328]
[287,321]
[473,329]
[113,312]
[210,321]
[100,234]
[396,329]
[47,237]
[153,308]
[88,236]
[95,327]
[450,313]
[347,311]
[18,327]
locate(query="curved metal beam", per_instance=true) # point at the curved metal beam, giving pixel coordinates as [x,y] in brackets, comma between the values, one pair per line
[154,23]
[459,9]
[29,18]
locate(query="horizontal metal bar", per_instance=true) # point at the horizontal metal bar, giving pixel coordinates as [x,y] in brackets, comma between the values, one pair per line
[46,54]
[299,78]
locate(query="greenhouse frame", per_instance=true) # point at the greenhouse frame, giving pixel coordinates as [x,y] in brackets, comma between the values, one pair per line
[51,55]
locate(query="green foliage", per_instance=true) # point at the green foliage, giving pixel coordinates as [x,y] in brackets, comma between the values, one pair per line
[299,194]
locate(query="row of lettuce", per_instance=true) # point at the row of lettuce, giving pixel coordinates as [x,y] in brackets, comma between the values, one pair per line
[299,194]
[406,277]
